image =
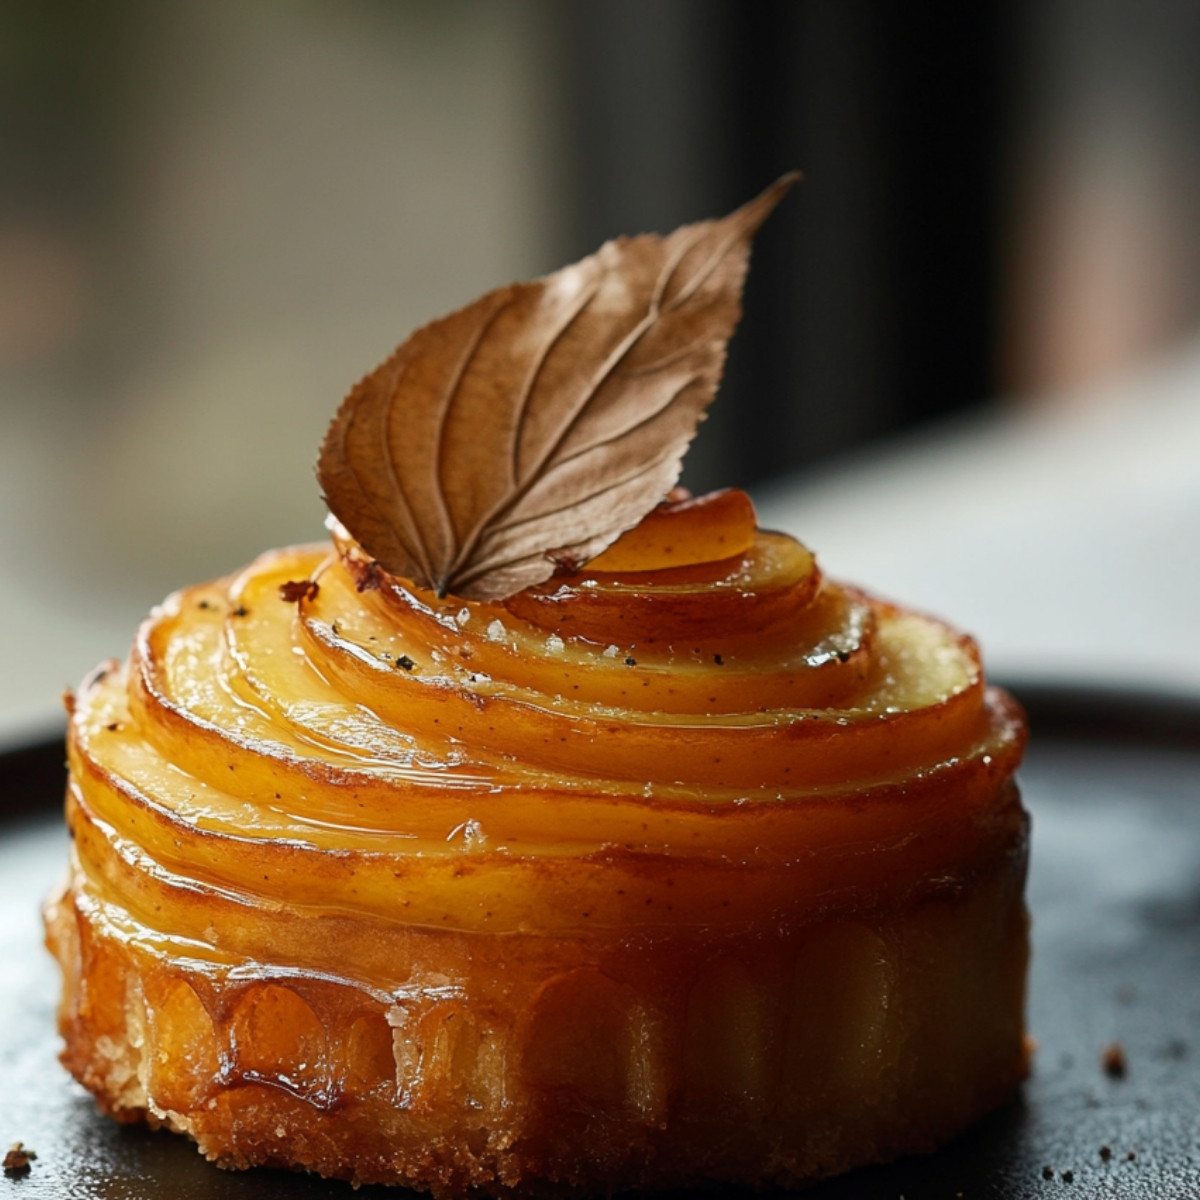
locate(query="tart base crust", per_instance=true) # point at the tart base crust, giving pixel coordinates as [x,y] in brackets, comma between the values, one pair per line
[780,1055]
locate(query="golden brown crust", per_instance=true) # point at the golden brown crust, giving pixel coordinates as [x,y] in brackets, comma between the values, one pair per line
[846,1043]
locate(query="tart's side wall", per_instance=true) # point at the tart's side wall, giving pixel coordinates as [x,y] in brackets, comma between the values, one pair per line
[830,1044]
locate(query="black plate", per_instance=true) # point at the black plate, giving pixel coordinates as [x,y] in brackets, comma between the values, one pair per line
[1113,781]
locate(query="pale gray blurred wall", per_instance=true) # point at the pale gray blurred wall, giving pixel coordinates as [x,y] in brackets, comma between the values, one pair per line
[213,218]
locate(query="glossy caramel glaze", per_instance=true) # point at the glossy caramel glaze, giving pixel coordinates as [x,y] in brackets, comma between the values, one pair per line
[541,891]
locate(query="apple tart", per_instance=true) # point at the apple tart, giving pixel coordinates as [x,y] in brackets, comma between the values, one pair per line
[682,862]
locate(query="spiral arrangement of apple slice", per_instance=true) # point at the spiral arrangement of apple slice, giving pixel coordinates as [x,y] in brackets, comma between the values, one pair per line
[314,731]
[414,889]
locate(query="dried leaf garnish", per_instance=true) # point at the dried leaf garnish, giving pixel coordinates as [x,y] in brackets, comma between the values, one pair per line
[540,422]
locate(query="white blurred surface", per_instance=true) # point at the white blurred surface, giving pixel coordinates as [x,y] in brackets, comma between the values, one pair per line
[1065,537]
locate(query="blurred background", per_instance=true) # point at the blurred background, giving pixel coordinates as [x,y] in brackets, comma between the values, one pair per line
[969,371]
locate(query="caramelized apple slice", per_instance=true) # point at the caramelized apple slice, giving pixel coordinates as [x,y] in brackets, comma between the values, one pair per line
[819,658]
[775,580]
[680,533]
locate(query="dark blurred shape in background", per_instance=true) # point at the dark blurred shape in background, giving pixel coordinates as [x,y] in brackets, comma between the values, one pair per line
[215,215]
[874,293]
